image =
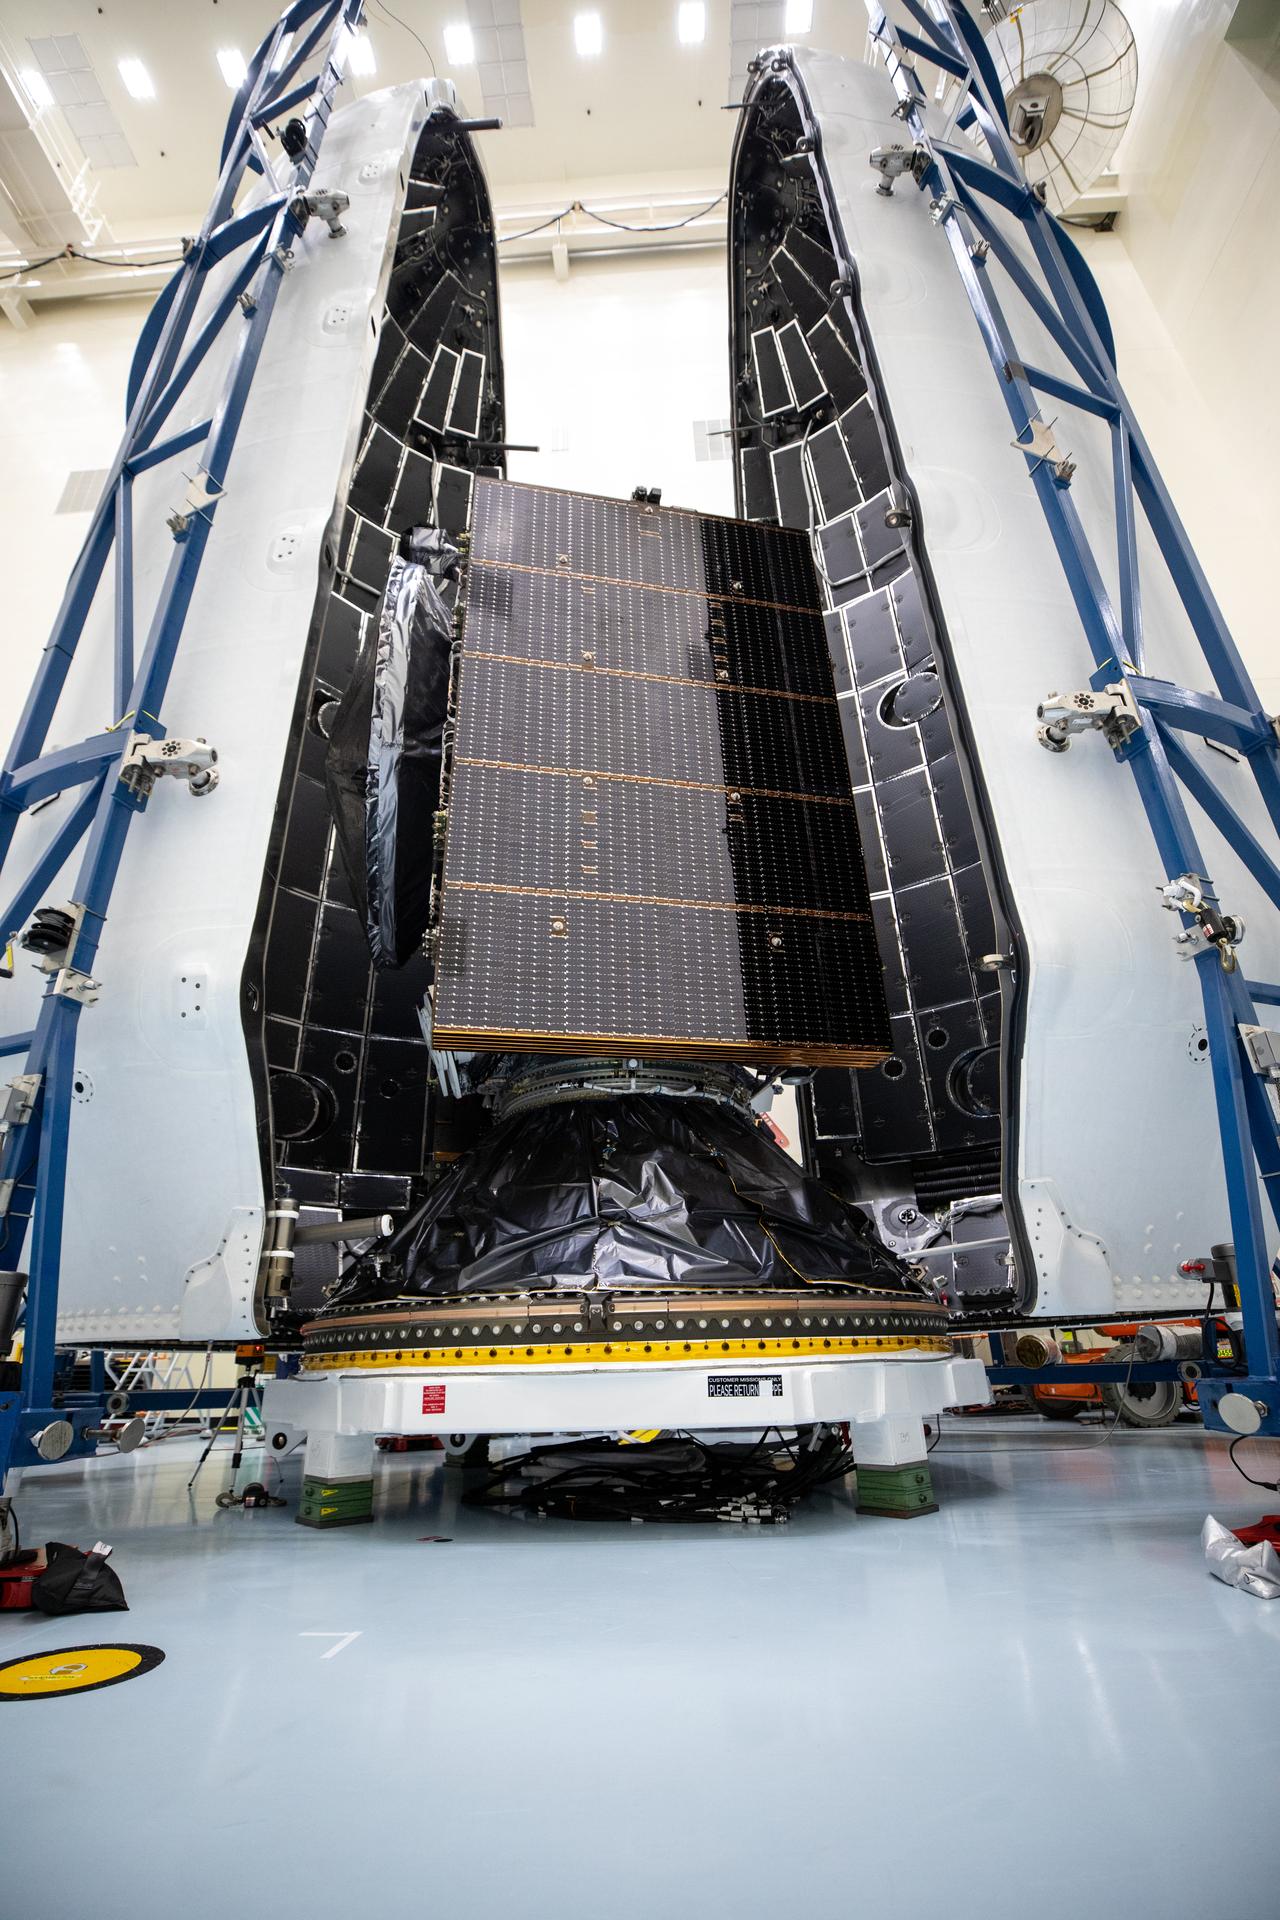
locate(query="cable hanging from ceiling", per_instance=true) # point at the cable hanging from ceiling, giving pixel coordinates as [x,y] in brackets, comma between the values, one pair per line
[575,206]
[604,219]
[93,259]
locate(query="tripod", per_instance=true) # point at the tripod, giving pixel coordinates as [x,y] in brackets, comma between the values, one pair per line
[245,1399]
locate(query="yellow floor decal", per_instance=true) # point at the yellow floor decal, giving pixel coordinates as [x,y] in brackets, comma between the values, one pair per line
[41,1676]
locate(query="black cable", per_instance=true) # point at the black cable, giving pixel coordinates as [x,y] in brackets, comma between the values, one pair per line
[670,226]
[98,260]
[681,1479]
[622,226]
[204,1379]
[1268,1486]
[94,259]
[32,266]
[409,30]
[540,228]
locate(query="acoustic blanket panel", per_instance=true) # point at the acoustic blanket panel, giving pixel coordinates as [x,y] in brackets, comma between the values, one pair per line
[651,843]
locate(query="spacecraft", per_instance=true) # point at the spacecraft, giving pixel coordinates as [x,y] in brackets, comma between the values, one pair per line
[554,834]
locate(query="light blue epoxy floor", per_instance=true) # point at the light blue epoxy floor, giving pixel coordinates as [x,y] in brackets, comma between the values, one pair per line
[1036,1702]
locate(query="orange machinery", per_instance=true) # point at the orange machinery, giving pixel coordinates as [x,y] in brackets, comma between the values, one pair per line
[1137,1403]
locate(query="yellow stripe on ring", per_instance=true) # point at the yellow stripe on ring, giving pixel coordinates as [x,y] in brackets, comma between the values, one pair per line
[630,1352]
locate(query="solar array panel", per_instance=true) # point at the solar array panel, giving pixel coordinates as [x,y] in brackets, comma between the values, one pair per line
[652,843]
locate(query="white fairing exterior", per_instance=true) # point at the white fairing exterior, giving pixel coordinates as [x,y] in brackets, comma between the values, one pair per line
[1119,1174]
[164,1193]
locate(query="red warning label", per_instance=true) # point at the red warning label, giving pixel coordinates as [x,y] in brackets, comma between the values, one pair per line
[433,1399]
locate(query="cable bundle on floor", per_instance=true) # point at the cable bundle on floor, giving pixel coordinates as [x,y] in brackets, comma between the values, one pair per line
[678,1478]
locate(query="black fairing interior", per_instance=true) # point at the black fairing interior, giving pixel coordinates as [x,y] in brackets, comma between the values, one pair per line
[341,1065]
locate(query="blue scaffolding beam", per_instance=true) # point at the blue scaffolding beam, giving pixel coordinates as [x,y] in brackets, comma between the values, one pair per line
[968,192]
[295,72]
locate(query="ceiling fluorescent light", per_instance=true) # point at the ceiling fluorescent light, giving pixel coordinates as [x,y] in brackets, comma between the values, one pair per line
[362,55]
[37,89]
[799,16]
[459,46]
[691,22]
[137,79]
[588,34]
[231,60]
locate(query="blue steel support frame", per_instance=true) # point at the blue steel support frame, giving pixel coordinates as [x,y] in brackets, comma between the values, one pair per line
[311,39]
[966,190]
[1101,1373]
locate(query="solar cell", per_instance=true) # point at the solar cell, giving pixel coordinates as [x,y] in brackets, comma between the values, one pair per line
[651,839]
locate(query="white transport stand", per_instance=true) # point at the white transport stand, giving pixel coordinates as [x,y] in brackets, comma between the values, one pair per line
[341,1411]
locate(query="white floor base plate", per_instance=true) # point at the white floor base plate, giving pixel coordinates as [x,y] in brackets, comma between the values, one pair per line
[579,1399]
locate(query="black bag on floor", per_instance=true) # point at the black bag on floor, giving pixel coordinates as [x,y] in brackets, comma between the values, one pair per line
[76,1582]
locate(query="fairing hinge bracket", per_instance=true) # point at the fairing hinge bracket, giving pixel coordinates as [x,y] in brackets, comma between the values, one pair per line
[327,203]
[893,161]
[146,760]
[1111,711]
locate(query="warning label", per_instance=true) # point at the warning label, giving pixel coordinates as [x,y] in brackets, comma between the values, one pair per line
[433,1399]
[744,1386]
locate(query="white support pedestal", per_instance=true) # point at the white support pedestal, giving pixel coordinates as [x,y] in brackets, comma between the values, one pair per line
[337,1479]
[891,1463]
[338,1456]
[895,1440]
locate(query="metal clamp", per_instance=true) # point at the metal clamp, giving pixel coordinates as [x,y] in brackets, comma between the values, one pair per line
[327,203]
[898,512]
[1213,928]
[69,983]
[203,492]
[915,97]
[802,153]
[18,1100]
[1262,1044]
[893,161]
[1113,712]
[145,760]
[1040,446]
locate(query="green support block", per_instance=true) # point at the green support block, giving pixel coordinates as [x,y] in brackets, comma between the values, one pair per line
[324,1517]
[335,1503]
[898,1493]
[344,1491]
